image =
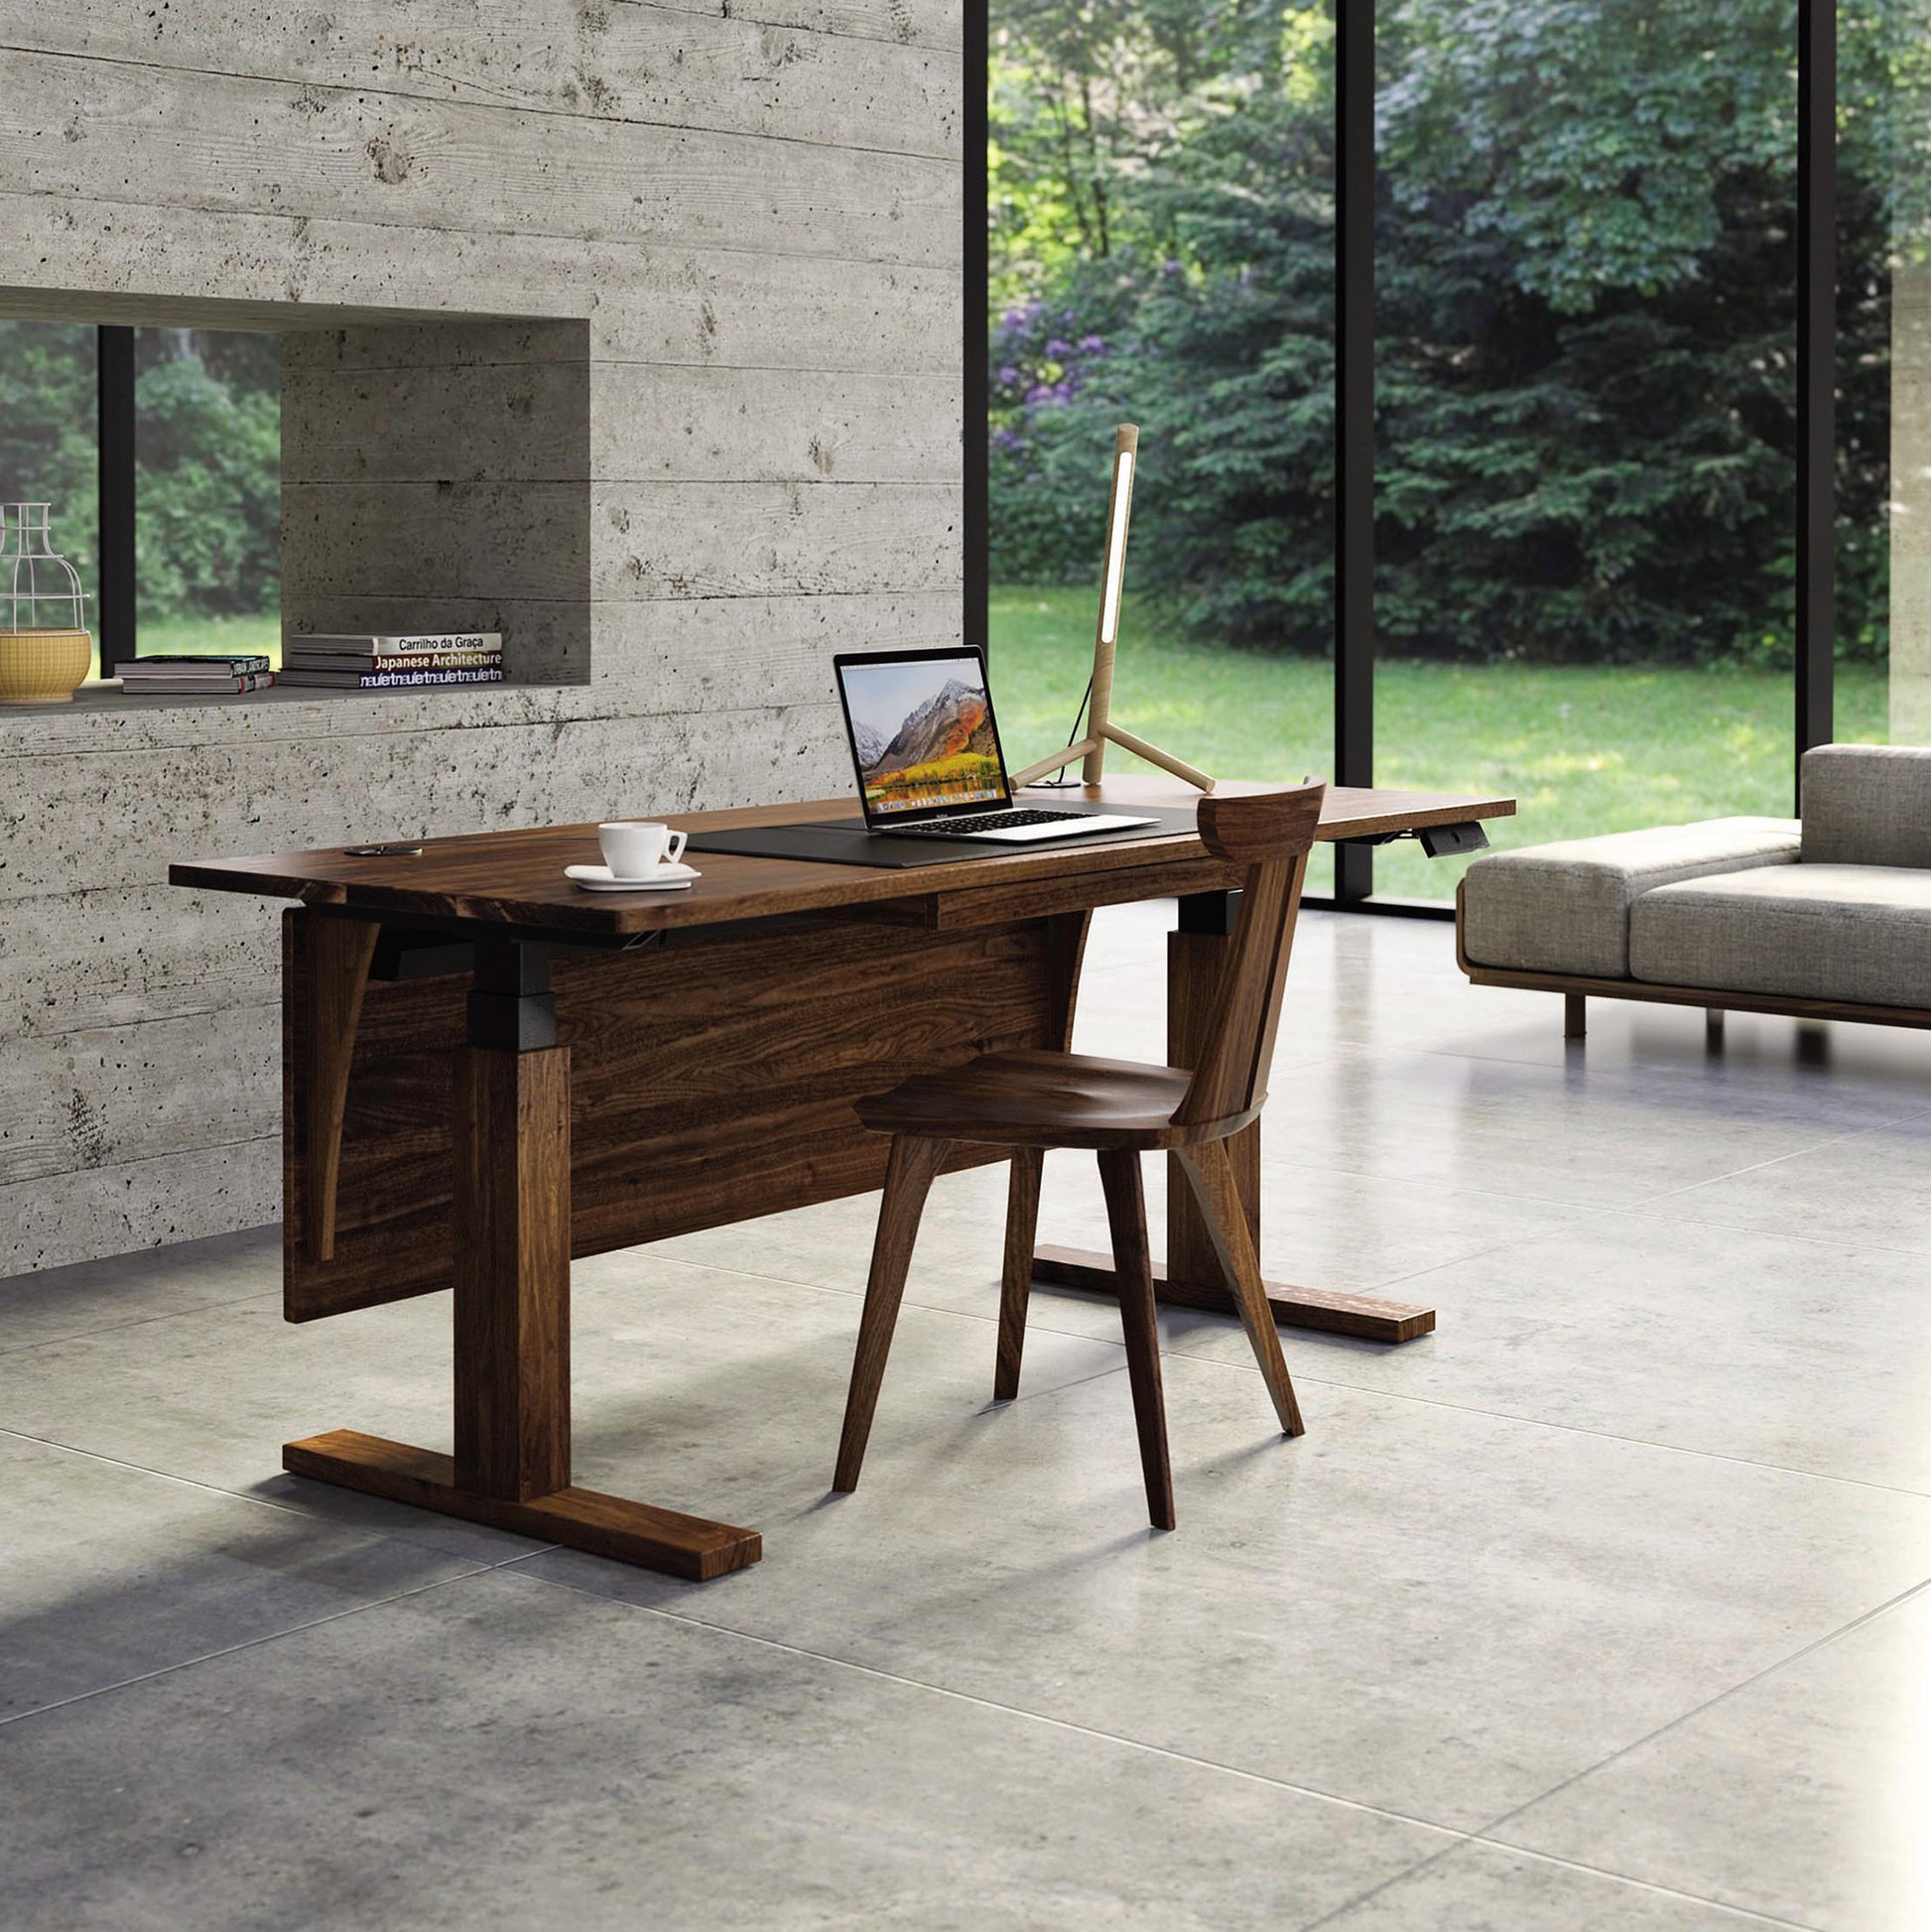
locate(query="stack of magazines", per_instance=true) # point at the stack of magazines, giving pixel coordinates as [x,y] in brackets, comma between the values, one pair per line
[377,663]
[194,675]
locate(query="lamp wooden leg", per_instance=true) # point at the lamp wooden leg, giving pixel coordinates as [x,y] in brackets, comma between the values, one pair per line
[1119,1175]
[908,1180]
[1210,1169]
[1022,1223]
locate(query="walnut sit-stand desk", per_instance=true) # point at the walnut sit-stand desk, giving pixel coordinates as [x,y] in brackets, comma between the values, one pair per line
[488,1071]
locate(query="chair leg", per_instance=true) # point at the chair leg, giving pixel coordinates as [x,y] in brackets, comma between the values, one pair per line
[909,1175]
[1210,1169]
[1022,1225]
[1120,1174]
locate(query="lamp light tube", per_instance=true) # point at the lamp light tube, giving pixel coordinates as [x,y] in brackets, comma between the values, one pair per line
[1116,547]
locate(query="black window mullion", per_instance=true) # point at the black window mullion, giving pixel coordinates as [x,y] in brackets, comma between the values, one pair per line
[975,512]
[114,595]
[1816,615]
[1353,423]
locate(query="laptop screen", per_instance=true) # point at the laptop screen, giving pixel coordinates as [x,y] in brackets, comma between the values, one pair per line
[922,731]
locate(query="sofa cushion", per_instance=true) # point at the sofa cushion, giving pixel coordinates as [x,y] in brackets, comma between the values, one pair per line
[1565,908]
[1866,805]
[1860,933]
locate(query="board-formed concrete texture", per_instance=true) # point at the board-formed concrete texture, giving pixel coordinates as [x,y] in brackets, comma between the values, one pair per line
[634,329]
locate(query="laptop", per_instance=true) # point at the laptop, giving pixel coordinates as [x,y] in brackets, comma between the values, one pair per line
[926,748]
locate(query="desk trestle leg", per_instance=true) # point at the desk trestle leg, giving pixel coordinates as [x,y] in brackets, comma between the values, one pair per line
[511,1467]
[512,1272]
[1192,1277]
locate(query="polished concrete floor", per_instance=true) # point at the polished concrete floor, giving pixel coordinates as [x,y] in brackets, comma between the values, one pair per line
[1607,1608]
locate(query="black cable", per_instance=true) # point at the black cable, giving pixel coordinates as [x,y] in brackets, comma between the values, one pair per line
[1062,782]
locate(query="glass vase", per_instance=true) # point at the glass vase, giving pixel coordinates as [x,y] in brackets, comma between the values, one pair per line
[44,646]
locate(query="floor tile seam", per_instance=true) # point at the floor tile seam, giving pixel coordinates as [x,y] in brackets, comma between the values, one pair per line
[1542,1422]
[1582,1211]
[910,1300]
[248,1643]
[1744,1226]
[1835,1242]
[1829,1138]
[1482,1253]
[1403,1395]
[1381,1885]
[1490,1833]
[1405,1177]
[1742,1913]
[274,1503]
[1457,1834]
[1748,1913]
[1758,1167]
[138,1322]
[1908,1110]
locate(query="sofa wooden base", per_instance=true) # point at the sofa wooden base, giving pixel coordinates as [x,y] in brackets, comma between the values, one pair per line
[1576,988]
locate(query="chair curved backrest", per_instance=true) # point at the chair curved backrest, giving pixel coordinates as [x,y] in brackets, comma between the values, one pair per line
[1273,832]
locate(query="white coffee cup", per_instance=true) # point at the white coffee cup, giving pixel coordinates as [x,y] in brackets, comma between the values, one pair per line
[635,848]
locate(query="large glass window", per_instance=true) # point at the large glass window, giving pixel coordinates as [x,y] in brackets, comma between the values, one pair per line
[1883,372]
[1585,270]
[1161,235]
[1586,404]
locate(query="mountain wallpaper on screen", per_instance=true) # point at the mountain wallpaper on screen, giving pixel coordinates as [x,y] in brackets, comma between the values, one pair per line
[943,753]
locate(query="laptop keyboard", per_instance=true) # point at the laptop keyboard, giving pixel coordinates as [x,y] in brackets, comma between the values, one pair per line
[991,822]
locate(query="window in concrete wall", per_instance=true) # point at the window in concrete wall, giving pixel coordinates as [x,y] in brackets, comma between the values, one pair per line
[50,449]
[208,491]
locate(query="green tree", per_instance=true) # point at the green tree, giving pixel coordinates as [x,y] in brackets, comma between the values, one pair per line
[1585,271]
[49,445]
[207,435]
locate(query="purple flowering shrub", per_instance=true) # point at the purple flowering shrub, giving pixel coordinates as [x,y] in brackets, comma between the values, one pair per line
[1055,378]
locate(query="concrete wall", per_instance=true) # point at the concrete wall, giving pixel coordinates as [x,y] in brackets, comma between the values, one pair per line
[754,214]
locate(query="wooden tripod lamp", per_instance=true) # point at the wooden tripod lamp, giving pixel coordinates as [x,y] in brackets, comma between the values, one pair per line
[1101,729]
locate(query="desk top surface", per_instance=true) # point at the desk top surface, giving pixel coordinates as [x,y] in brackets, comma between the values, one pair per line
[516,878]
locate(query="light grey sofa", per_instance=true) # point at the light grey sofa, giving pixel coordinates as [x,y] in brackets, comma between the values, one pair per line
[1826,917]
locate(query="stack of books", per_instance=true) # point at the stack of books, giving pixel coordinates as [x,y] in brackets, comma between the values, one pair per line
[195,674]
[375,663]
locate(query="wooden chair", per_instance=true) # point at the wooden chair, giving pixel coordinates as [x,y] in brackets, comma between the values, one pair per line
[1032,1101]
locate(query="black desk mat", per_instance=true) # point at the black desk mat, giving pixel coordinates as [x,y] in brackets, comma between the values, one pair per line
[846,842]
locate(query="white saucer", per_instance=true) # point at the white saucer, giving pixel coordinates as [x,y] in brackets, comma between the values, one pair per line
[600,879]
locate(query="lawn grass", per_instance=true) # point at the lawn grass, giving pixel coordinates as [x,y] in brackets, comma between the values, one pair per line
[1583,749]
[165,636]
[157,637]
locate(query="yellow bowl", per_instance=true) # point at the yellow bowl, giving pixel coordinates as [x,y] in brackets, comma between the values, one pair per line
[43,667]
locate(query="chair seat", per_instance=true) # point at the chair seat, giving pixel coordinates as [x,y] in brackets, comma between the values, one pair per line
[1037,1098]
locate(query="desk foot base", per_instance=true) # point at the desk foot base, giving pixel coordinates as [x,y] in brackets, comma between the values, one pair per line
[583,1519]
[1366,1316]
